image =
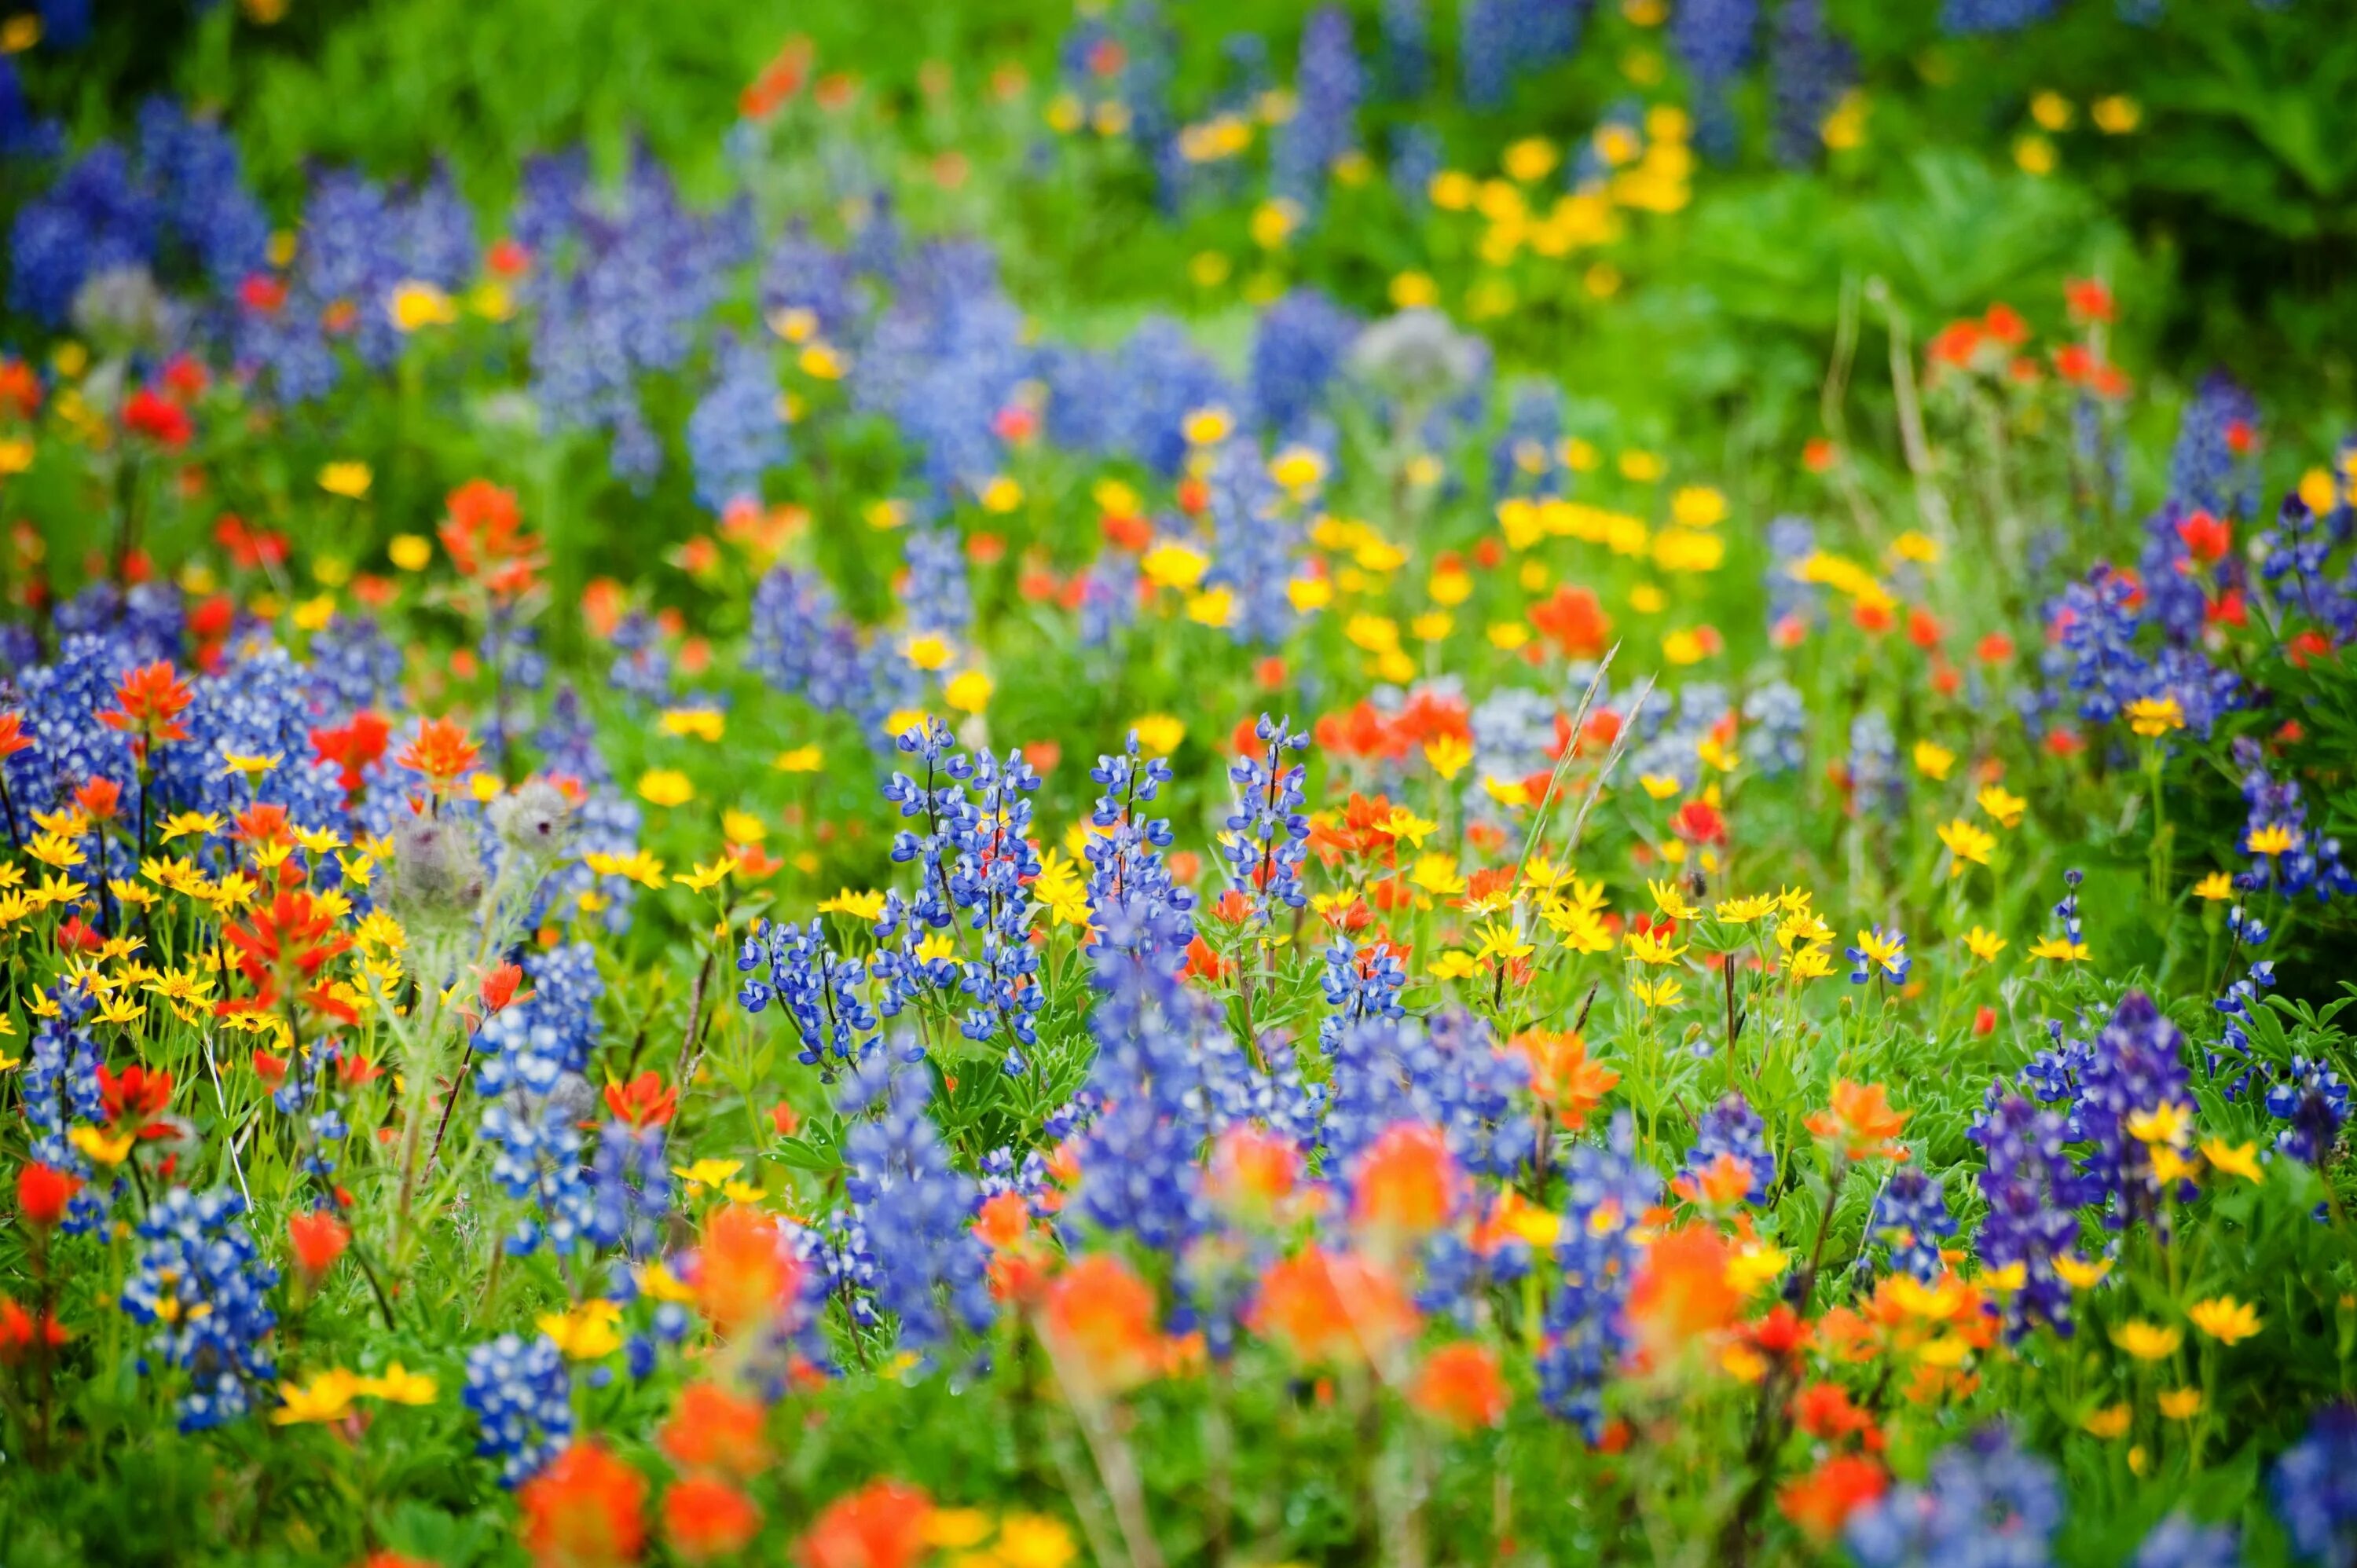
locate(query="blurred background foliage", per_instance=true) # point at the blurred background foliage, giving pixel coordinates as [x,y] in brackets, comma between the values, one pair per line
[2223,216]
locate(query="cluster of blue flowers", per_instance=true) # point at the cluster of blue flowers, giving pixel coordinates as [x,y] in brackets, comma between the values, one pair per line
[536,1053]
[1909,1221]
[1126,872]
[736,434]
[1327,87]
[2034,1188]
[1732,1128]
[619,288]
[1987,1503]
[201,1282]
[803,645]
[1599,1254]
[173,201]
[1268,837]
[522,1399]
[930,1270]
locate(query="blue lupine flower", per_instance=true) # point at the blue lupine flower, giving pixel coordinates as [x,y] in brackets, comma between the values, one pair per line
[2312,863]
[1715,39]
[1124,855]
[2204,469]
[200,1280]
[2178,1541]
[1776,722]
[1406,72]
[1597,1254]
[1443,1072]
[629,1188]
[939,598]
[1732,1128]
[1166,377]
[1810,68]
[932,1270]
[1968,16]
[1298,350]
[1987,1503]
[736,434]
[1268,837]
[523,1399]
[1255,537]
[2311,1096]
[1327,85]
[817,988]
[996,864]
[1910,1221]
[1522,459]
[534,1054]
[2314,1486]
[1878,787]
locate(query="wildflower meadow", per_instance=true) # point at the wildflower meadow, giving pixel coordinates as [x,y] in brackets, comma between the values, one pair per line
[1163,782]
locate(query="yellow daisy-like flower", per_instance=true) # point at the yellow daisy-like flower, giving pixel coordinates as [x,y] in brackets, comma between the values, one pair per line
[349,479]
[2147,1341]
[798,760]
[2060,949]
[1455,964]
[2108,1422]
[2002,804]
[2214,888]
[1448,755]
[1171,565]
[2224,1319]
[1968,844]
[1671,902]
[2235,1159]
[1062,890]
[701,724]
[399,1385]
[2153,717]
[638,866]
[968,691]
[704,878]
[665,787]
[327,1397]
[590,1332]
[867,906]
[2082,1274]
[1158,735]
[1658,993]
[2273,839]
[1933,760]
[1984,944]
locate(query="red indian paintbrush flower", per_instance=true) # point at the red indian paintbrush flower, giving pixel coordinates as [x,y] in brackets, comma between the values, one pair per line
[136,1100]
[441,750]
[880,1526]
[1460,1386]
[285,945]
[1102,1320]
[587,1510]
[19,1330]
[318,1238]
[148,702]
[42,1194]
[714,1429]
[352,746]
[643,1101]
[706,1518]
